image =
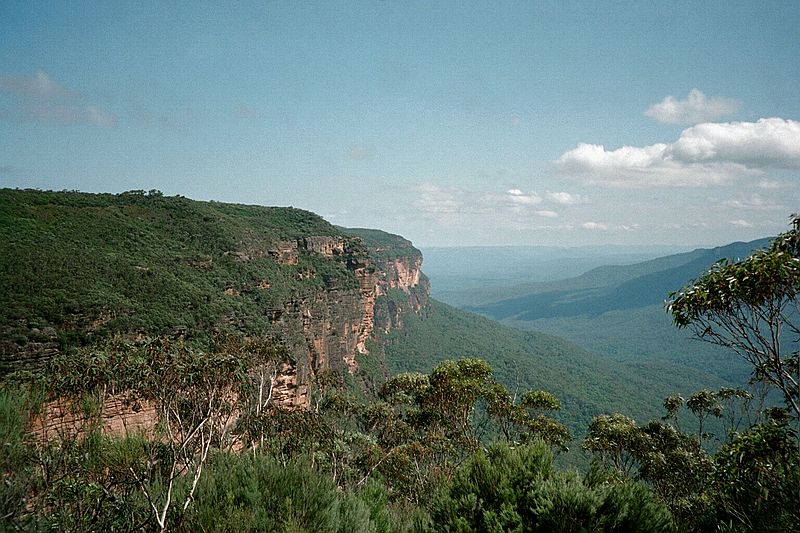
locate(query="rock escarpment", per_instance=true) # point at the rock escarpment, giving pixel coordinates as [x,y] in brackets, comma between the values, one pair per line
[328,329]
[80,268]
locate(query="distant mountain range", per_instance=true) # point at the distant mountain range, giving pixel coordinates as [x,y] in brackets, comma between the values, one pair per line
[613,288]
[484,268]
[616,312]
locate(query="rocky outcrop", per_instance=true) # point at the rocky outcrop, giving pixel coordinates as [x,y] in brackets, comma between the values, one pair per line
[327,329]
[289,391]
[62,419]
[399,273]
[401,288]
[368,291]
[325,246]
[331,324]
[285,252]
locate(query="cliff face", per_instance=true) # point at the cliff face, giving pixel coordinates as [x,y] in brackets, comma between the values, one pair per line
[80,268]
[327,329]
[401,288]
[400,285]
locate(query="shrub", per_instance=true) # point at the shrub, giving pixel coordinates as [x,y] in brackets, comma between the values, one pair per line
[517,489]
[256,493]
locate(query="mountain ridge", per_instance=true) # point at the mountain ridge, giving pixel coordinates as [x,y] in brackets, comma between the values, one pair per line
[80,267]
[612,287]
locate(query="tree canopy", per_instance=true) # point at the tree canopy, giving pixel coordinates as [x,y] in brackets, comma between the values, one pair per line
[751,306]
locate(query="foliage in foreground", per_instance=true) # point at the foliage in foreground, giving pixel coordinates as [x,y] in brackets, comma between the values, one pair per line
[750,483]
[257,493]
[517,489]
[410,461]
[751,306]
[207,404]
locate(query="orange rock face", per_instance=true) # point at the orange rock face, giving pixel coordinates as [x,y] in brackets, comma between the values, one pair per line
[324,329]
[119,415]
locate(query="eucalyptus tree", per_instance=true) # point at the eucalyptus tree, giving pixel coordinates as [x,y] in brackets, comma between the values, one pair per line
[751,306]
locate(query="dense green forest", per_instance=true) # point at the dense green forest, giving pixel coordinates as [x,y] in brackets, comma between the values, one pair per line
[87,264]
[617,313]
[467,432]
[585,384]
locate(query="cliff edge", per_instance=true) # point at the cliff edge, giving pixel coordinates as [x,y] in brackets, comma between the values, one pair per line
[79,267]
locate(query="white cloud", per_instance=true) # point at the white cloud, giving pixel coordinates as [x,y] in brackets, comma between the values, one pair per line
[695,109]
[40,98]
[517,197]
[741,223]
[768,184]
[754,202]
[511,209]
[704,154]
[437,201]
[565,198]
[594,226]
[769,142]
[594,157]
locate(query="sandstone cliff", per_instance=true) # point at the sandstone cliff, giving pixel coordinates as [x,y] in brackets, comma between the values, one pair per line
[328,329]
[325,329]
[80,268]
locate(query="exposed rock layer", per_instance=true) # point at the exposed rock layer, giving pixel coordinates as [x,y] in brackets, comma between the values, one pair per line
[335,324]
[347,287]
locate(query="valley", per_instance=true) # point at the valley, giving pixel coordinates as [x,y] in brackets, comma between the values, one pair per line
[270,330]
[616,312]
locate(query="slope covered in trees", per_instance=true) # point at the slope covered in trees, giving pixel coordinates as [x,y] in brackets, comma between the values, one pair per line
[586,384]
[449,442]
[87,264]
[617,312]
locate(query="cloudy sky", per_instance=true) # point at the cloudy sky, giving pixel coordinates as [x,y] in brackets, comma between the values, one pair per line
[451,123]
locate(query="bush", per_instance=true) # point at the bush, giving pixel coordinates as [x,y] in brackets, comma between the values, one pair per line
[15,461]
[256,493]
[756,479]
[517,489]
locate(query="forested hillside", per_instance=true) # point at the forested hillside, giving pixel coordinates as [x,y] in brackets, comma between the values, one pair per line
[617,312]
[91,265]
[172,365]
[586,384]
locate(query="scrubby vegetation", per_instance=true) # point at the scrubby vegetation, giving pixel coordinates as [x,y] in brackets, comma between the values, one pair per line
[443,444]
[217,453]
[452,450]
[86,266]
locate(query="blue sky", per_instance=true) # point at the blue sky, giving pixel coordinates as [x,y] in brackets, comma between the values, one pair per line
[451,123]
